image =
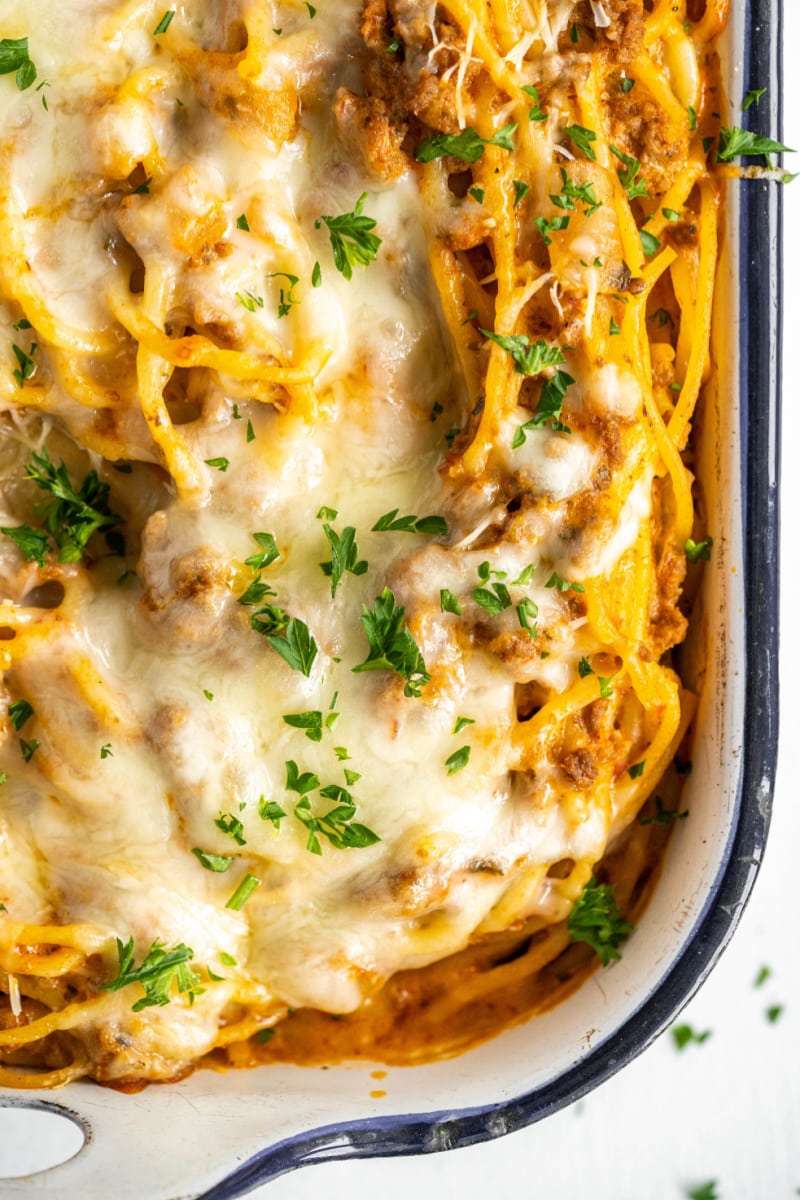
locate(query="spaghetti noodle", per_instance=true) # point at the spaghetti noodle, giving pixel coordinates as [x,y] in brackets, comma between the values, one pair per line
[348,362]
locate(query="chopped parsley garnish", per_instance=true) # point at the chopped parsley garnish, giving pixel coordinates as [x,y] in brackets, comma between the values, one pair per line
[478,194]
[605,684]
[525,576]
[226,959]
[468,145]
[316,275]
[250,301]
[650,243]
[570,192]
[548,408]
[629,178]
[546,227]
[269,551]
[521,190]
[352,240]
[327,514]
[773,1013]
[535,113]
[106,751]
[70,519]
[582,138]
[462,723]
[219,464]
[448,602]
[391,646]
[529,357]
[165,22]
[287,300]
[337,824]
[613,328]
[493,597]
[671,215]
[763,975]
[752,97]
[738,143]
[527,612]
[344,555]
[242,222]
[143,188]
[157,972]
[692,119]
[265,1035]
[26,364]
[704,1191]
[311,722]
[394,46]
[637,770]
[434,526]
[14,57]
[231,825]
[684,1035]
[243,892]
[22,323]
[664,816]
[458,760]
[213,862]
[208,695]
[585,668]
[20,712]
[596,919]
[258,591]
[563,585]
[296,645]
[28,749]
[626,85]
[695,551]
[312,12]
[270,811]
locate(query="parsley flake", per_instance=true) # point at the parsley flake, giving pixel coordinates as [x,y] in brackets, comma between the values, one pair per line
[14,57]
[695,551]
[269,551]
[344,555]
[433,525]
[548,408]
[685,1035]
[242,222]
[70,519]
[582,138]
[165,22]
[448,602]
[243,892]
[664,816]
[596,919]
[106,751]
[468,145]
[20,712]
[738,143]
[391,646]
[157,972]
[221,464]
[529,357]
[458,760]
[218,863]
[752,97]
[352,240]
[535,113]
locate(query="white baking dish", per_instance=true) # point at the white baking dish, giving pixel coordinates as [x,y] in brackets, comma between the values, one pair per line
[219,1135]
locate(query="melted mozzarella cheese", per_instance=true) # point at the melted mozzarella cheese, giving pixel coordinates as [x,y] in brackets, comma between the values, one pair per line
[164,669]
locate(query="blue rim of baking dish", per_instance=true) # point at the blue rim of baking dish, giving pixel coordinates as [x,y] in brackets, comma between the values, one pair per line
[759,332]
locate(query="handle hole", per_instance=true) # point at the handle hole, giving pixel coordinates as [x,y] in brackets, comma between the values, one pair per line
[36,1137]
